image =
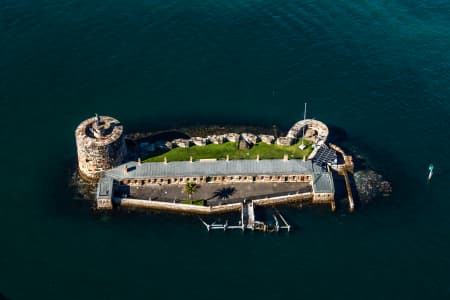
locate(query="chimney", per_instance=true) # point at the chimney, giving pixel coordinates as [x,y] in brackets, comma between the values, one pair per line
[257,157]
[139,161]
[228,157]
[165,159]
[125,169]
[190,158]
[286,157]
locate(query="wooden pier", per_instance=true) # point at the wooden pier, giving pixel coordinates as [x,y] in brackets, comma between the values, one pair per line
[351,203]
[343,169]
[251,215]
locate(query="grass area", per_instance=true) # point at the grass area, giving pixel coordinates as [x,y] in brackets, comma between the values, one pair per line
[220,151]
[194,202]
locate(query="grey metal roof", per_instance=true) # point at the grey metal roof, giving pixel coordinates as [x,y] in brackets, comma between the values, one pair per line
[323,183]
[105,187]
[318,169]
[212,168]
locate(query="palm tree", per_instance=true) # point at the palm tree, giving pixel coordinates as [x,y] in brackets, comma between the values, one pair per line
[190,188]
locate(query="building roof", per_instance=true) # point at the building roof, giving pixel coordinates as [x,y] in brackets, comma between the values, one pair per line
[322,180]
[323,183]
[213,168]
[105,187]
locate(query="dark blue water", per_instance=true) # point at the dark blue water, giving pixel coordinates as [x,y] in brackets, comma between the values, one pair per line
[378,69]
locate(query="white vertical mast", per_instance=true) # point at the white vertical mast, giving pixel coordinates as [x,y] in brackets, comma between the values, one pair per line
[302,146]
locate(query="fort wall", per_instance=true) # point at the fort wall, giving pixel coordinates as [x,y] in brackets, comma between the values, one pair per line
[100,146]
[217,209]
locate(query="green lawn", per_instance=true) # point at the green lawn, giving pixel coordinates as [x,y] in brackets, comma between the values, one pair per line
[194,202]
[220,151]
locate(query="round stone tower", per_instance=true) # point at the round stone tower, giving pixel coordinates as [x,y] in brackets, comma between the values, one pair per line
[100,146]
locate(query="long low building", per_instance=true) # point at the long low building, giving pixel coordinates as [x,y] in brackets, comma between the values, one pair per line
[218,171]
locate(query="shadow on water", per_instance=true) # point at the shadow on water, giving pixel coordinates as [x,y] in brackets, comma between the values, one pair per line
[3,297]
[64,194]
[163,136]
[337,134]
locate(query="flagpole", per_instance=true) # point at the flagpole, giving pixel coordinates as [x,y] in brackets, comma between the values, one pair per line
[302,146]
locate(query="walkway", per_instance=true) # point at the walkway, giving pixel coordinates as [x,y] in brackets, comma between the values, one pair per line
[319,127]
[216,194]
[344,169]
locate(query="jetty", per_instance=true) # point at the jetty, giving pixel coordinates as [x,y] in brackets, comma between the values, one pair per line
[343,169]
[248,221]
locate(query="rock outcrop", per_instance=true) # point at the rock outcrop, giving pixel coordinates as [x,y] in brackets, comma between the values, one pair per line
[371,185]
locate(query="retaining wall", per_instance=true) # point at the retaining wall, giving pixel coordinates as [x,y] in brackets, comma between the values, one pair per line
[283,199]
[206,210]
[179,207]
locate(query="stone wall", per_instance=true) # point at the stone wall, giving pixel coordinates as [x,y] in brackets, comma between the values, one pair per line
[97,153]
[323,197]
[218,179]
[218,209]
[179,207]
[317,132]
[314,125]
[104,204]
[270,201]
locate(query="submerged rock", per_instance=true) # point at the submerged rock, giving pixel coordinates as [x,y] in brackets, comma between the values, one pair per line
[371,185]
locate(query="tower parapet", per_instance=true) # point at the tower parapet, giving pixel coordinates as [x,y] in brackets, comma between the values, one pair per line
[100,146]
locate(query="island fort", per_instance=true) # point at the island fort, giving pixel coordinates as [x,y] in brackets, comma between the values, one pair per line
[214,174]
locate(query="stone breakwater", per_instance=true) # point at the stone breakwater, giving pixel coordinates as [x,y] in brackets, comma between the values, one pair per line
[371,185]
[216,209]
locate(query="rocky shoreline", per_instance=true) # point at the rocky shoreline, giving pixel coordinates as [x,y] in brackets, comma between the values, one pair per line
[371,185]
[193,131]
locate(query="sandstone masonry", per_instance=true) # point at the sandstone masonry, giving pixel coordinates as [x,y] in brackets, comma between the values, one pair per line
[100,146]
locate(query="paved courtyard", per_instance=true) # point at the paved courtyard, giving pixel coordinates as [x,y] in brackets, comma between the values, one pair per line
[216,193]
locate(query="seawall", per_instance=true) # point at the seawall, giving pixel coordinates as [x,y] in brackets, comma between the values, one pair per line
[209,210]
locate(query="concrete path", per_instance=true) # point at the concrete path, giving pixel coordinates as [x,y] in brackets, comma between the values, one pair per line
[218,193]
